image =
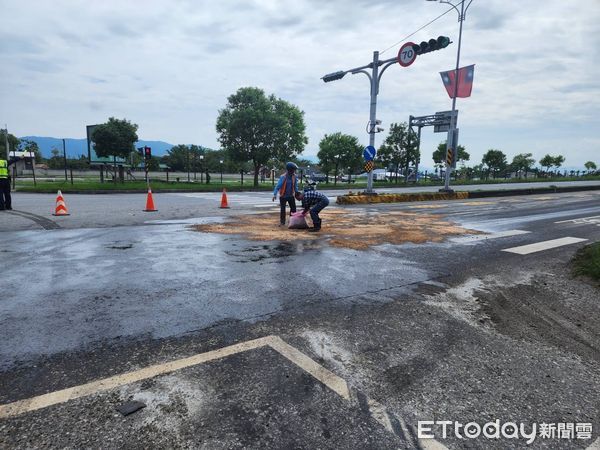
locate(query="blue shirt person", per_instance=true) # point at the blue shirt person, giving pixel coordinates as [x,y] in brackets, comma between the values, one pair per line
[287,187]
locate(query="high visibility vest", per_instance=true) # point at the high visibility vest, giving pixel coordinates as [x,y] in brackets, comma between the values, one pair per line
[3,168]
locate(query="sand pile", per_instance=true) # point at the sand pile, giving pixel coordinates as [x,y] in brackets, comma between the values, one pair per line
[350,229]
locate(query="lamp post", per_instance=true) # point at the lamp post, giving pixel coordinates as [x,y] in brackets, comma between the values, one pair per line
[201,165]
[374,76]
[221,164]
[188,163]
[452,141]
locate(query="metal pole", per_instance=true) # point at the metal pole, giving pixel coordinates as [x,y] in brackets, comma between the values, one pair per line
[33,167]
[65,159]
[6,142]
[418,155]
[188,163]
[453,117]
[373,113]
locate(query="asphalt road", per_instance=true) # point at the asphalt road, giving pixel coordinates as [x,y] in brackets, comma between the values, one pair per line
[355,347]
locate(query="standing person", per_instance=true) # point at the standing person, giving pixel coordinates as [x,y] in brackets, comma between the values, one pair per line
[314,201]
[5,199]
[287,186]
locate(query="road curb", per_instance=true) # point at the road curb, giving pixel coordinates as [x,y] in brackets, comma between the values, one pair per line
[357,199]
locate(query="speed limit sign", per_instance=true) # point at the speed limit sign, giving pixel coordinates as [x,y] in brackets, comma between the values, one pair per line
[406,55]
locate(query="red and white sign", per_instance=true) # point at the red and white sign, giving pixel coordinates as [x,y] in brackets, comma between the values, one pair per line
[406,55]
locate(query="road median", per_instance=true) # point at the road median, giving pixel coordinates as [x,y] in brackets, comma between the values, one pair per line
[361,198]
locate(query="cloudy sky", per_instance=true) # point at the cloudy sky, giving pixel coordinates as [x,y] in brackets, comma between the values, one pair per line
[170,65]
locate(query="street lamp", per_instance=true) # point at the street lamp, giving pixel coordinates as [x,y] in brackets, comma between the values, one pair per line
[201,159]
[452,140]
[188,163]
[374,76]
[221,164]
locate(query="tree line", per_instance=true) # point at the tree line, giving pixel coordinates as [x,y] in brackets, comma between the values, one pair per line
[259,132]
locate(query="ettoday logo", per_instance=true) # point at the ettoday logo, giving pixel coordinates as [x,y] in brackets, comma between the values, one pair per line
[430,429]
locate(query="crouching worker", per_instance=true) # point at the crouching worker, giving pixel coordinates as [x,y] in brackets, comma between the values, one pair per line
[287,187]
[313,201]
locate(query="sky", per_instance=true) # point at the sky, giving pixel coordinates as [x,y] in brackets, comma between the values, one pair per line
[169,66]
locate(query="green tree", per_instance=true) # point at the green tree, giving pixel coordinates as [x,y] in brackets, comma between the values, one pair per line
[13,143]
[439,155]
[177,157]
[522,162]
[590,165]
[26,145]
[115,138]
[256,128]
[399,149]
[495,161]
[558,161]
[337,151]
[135,159]
[547,162]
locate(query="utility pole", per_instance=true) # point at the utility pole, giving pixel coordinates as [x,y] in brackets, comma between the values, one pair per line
[452,140]
[6,141]
[374,76]
[65,159]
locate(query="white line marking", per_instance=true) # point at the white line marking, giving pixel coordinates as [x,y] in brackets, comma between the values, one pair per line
[485,237]
[544,245]
[326,377]
[583,220]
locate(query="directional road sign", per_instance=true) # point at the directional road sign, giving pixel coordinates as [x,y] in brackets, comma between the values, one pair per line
[369,153]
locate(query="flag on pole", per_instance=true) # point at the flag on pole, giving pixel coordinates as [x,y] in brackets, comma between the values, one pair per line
[465,81]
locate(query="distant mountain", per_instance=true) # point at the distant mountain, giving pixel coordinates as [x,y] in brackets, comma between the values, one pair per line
[78,147]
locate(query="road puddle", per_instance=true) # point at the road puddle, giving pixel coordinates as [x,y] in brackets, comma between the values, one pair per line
[358,230]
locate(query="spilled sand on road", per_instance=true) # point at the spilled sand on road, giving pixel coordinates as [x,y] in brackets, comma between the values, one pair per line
[357,230]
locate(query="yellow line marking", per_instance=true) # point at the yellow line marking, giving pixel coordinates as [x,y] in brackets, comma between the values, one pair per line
[326,377]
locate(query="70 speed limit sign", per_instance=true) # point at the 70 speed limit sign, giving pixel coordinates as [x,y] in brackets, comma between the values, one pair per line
[406,55]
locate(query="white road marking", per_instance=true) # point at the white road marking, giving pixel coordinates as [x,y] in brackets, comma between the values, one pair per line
[325,376]
[485,237]
[594,220]
[544,245]
[328,378]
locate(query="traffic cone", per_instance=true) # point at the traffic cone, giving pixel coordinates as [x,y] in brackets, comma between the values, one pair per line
[224,203]
[61,206]
[150,202]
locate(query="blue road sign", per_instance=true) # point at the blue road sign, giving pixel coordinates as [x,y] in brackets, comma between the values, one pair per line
[369,153]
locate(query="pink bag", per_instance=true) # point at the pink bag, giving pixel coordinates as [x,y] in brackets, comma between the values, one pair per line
[298,221]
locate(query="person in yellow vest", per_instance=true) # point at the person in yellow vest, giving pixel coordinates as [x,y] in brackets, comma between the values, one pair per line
[5,199]
[287,187]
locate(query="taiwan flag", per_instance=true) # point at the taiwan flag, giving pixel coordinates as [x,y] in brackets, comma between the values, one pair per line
[465,81]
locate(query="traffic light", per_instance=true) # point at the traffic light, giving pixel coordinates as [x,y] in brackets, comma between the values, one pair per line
[431,45]
[333,76]
[147,152]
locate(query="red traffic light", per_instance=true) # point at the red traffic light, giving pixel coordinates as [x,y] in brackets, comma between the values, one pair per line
[148,152]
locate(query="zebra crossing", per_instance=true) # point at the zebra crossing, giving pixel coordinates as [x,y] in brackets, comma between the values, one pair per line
[260,200]
[248,200]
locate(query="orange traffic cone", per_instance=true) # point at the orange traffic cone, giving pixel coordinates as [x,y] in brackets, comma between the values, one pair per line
[61,206]
[150,202]
[224,203]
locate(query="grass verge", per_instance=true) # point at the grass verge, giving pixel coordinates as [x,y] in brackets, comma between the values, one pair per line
[587,261]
